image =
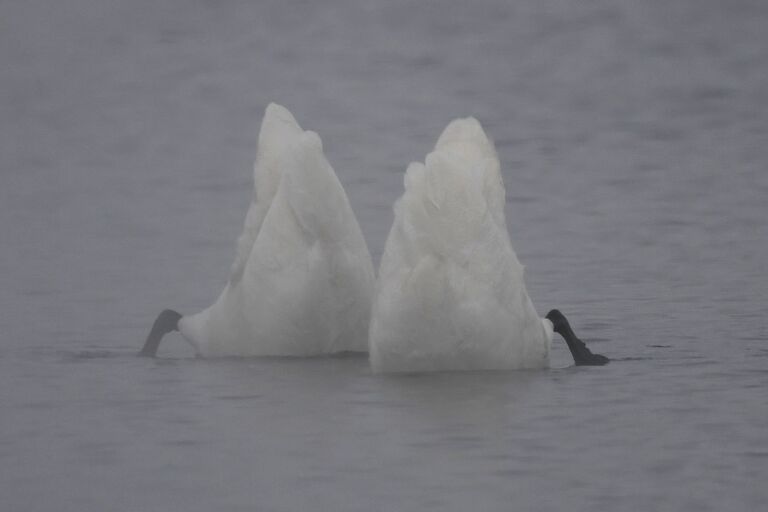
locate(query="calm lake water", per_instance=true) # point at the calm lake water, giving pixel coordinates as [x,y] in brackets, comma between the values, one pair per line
[634,145]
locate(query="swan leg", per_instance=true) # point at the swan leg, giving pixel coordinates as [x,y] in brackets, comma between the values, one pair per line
[582,356]
[167,321]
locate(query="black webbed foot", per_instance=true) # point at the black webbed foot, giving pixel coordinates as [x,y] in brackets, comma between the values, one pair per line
[167,321]
[582,356]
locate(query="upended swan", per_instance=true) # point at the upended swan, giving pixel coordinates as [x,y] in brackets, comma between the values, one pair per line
[450,293]
[302,281]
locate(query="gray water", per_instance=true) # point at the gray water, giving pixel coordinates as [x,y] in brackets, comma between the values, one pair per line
[633,137]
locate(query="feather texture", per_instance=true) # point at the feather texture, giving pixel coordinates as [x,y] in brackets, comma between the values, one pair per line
[302,280]
[451,293]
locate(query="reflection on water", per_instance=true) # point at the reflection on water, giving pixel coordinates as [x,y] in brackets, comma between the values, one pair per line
[632,140]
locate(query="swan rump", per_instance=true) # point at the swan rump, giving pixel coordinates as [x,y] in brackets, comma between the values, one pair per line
[451,294]
[302,280]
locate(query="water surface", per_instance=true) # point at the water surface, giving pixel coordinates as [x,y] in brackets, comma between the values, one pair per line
[632,137]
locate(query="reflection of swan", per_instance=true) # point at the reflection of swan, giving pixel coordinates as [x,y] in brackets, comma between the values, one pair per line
[302,280]
[451,294]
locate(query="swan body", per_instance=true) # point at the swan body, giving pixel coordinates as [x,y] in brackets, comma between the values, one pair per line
[451,293]
[302,280]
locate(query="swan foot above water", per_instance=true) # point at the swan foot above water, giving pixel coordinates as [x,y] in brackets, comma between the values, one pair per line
[167,321]
[582,356]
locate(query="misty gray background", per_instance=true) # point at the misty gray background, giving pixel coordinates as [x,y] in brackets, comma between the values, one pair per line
[633,137]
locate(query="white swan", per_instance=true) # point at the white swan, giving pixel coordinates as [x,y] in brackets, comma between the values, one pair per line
[302,280]
[450,294]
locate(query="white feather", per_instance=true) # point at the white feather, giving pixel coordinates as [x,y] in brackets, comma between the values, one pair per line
[451,293]
[302,280]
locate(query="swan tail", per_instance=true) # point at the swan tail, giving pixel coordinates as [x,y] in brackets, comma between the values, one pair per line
[279,132]
[314,192]
[465,140]
[455,200]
